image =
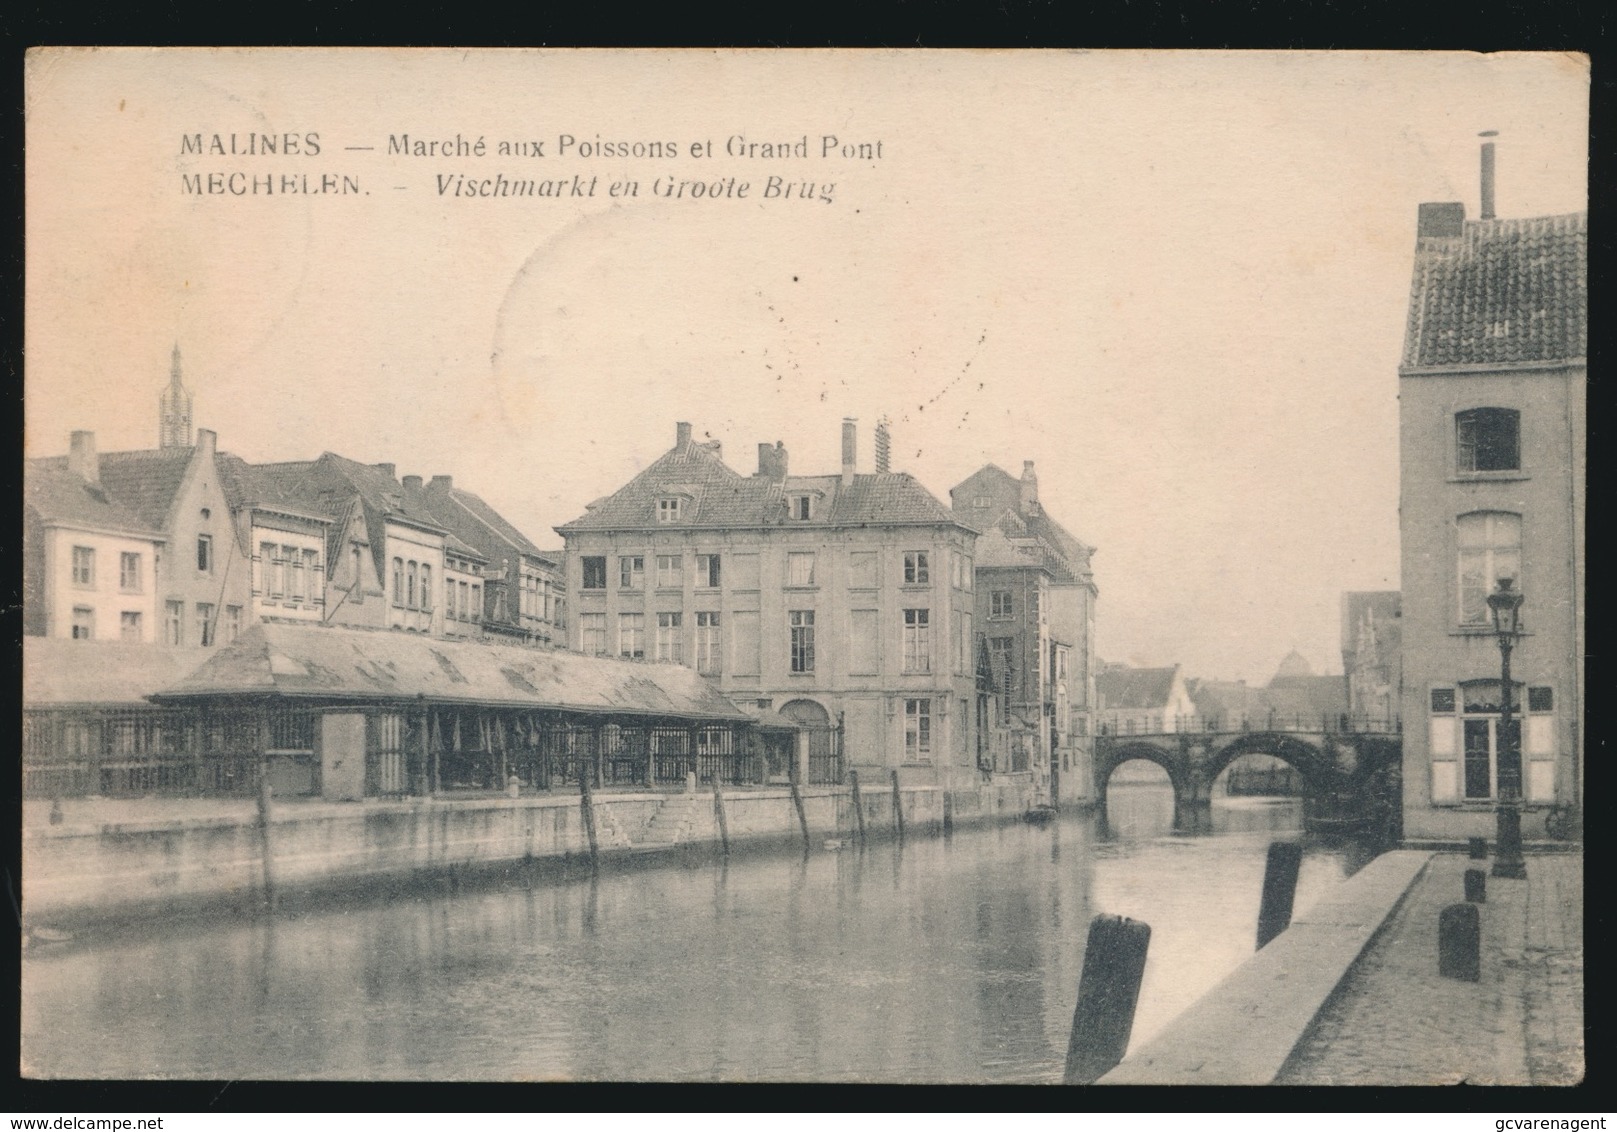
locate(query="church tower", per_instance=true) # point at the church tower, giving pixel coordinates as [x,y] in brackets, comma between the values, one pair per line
[174,409]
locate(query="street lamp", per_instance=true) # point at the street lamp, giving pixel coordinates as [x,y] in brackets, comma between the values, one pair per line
[1505,604]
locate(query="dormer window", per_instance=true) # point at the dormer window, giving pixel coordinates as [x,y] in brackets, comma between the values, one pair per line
[1487,440]
[668,509]
[801,507]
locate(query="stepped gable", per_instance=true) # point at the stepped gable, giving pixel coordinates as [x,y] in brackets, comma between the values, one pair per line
[1500,292]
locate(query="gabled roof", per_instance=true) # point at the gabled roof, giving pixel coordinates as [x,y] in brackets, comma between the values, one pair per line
[265,486]
[718,497]
[1500,292]
[475,523]
[143,482]
[1135,688]
[59,496]
[1066,557]
[325,662]
[57,672]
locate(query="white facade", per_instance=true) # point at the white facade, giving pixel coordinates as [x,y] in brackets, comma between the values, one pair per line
[100,585]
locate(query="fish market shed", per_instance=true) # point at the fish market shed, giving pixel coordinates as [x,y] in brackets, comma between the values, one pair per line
[352,713]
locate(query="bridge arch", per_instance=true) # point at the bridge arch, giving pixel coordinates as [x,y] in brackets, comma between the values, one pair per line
[1319,771]
[1172,761]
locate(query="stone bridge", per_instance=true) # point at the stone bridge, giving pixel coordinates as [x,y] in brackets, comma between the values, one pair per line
[1350,768]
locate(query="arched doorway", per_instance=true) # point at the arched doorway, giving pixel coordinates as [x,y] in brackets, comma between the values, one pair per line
[824,741]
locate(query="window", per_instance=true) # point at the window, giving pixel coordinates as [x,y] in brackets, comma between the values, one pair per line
[632,635]
[801,622]
[84,567]
[594,573]
[129,626]
[593,627]
[707,571]
[463,606]
[963,639]
[174,622]
[475,611]
[129,572]
[355,587]
[670,570]
[409,584]
[1002,662]
[1490,548]
[915,568]
[83,623]
[864,642]
[449,599]
[205,554]
[917,730]
[1000,606]
[232,622]
[204,624]
[960,571]
[316,579]
[668,510]
[1540,699]
[294,570]
[398,581]
[1442,701]
[917,640]
[631,572]
[709,650]
[669,645]
[426,587]
[800,568]
[1487,440]
[801,507]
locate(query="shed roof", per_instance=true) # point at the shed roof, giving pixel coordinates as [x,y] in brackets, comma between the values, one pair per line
[1500,292]
[326,662]
[58,672]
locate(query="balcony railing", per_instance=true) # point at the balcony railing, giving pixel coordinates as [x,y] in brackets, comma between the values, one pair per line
[1328,723]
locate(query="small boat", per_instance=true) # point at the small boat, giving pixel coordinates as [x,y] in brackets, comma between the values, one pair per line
[833,843]
[1038,815]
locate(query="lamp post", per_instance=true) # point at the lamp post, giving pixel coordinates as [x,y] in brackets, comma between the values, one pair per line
[1505,604]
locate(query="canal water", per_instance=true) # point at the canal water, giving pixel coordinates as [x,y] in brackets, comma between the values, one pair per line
[939,960]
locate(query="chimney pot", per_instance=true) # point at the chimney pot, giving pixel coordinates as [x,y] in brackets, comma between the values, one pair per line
[412,483]
[442,483]
[850,449]
[884,447]
[682,434]
[387,470]
[1487,174]
[1442,219]
[207,440]
[1030,487]
[82,460]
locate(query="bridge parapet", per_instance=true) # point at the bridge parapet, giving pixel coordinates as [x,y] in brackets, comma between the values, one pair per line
[1297,723]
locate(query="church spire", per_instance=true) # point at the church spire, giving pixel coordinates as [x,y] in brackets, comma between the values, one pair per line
[174,409]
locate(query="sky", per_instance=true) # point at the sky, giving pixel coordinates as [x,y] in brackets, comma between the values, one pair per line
[1175,281]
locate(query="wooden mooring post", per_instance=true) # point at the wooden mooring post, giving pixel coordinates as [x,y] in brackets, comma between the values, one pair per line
[1108,992]
[718,813]
[858,806]
[1279,889]
[587,801]
[265,840]
[898,808]
[797,801]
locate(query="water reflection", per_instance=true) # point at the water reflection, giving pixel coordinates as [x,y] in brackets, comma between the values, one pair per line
[959,964]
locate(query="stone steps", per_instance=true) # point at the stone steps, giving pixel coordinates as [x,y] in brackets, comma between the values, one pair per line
[673,821]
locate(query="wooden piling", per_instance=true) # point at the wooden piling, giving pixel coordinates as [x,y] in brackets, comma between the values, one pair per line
[1279,889]
[718,811]
[1108,992]
[948,813]
[858,806]
[1476,886]
[265,841]
[797,801]
[587,801]
[898,808]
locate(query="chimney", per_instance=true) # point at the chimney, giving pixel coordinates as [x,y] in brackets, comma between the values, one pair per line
[1030,488]
[207,442]
[442,483]
[386,469]
[412,483]
[82,460]
[850,438]
[1444,219]
[772,461]
[884,447]
[1487,173]
[682,434]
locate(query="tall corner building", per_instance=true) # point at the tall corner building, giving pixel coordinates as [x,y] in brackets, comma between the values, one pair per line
[1492,423]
